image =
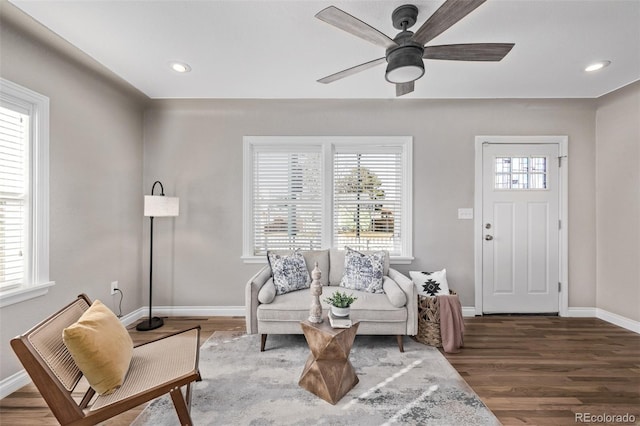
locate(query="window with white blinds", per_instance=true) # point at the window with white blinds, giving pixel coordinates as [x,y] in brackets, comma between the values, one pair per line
[286,199]
[368,199]
[321,192]
[24,194]
[14,142]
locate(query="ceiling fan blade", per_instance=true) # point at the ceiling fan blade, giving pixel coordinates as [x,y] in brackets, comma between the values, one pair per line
[468,52]
[341,19]
[404,88]
[448,14]
[350,71]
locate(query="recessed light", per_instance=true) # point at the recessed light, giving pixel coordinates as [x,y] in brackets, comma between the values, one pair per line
[180,67]
[597,66]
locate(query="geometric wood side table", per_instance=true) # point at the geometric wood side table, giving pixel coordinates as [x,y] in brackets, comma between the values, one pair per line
[328,372]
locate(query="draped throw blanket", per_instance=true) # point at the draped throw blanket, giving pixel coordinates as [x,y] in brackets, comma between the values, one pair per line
[451,323]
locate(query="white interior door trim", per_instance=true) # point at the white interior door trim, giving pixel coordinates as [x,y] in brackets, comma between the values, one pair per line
[563,149]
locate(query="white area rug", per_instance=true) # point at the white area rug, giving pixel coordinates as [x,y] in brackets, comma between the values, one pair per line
[243,386]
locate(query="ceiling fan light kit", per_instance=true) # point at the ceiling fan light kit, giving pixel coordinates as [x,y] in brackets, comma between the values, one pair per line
[404,65]
[405,53]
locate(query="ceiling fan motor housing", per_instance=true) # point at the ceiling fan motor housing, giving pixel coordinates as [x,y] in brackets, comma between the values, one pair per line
[404,60]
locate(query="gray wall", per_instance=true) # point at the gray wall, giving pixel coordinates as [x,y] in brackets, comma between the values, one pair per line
[195,148]
[95,183]
[618,202]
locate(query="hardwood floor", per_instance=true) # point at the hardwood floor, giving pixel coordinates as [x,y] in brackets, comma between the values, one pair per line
[545,370]
[527,369]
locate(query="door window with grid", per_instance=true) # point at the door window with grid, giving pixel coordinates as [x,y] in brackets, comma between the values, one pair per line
[520,173]
[321,192]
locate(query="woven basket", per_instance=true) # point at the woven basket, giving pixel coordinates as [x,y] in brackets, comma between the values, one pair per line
[429,320]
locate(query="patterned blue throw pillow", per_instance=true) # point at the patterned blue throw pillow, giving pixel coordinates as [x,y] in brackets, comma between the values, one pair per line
[289,272]
[363,272]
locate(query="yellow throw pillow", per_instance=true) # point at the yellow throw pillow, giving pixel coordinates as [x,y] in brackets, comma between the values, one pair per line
[101,347]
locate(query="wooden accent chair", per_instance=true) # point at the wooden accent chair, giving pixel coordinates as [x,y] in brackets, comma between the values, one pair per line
[158,367]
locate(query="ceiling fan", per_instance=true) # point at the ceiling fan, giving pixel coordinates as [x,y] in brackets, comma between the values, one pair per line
[405,53]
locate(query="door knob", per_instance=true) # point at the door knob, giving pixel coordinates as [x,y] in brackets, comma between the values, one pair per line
[488,237]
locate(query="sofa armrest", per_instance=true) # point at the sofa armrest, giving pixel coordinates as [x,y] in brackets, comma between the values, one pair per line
[251,303]
[409,289]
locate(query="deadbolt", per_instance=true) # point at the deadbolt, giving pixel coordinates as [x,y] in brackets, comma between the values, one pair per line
[488,237]
[488,226]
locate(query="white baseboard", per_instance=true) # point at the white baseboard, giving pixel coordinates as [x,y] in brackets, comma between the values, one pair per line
[13,383]
[618,320]
[581,312]
[134,316]
[468,311]
[585,312]
[196,311]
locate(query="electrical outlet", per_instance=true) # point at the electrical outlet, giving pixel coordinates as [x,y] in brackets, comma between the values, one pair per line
[114,286]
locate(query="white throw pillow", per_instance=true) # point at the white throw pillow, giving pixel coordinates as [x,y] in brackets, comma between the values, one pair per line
[430,283]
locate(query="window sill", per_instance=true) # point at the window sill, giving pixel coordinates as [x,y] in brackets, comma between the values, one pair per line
[394,260]
[11,297]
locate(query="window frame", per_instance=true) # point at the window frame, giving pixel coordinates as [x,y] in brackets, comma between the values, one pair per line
[37,282]
[327,145]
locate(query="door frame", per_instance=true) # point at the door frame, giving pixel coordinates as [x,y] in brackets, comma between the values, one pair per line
[563,176]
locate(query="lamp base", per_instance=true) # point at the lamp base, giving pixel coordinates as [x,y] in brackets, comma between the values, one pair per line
[150,324]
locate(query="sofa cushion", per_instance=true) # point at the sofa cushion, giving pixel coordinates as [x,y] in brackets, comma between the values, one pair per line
[267,292]
[336,262]
[363,271]
[430,283]
[289,271]
[310,258]
[322,257]
[394,293]
[294,306]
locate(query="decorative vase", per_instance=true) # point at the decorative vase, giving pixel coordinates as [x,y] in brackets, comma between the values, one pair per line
[340,312]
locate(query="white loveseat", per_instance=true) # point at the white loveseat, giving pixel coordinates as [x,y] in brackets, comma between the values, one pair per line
[393,312]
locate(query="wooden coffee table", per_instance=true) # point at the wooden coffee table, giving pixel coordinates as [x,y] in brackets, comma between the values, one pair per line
[328,372]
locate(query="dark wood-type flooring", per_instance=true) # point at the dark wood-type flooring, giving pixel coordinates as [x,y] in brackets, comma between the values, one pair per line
[527,369]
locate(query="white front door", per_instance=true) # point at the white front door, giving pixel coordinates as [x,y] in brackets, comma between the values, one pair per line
[520,228]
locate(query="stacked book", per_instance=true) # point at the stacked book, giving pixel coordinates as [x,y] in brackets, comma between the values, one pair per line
[339,322]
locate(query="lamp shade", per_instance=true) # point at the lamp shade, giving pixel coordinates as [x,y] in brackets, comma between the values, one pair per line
[159,206]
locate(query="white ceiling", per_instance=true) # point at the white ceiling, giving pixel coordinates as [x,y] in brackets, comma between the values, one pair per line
[277,49]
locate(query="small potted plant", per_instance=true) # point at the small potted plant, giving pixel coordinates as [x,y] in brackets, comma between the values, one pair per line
[341,303]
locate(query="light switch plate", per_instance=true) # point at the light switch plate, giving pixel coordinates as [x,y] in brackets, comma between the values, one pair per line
[466,213]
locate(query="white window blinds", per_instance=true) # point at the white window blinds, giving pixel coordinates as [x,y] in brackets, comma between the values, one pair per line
[287,199]
[14,142]
[367,198]
[319,192]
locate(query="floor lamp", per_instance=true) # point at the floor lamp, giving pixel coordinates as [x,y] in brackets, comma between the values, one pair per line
[156,206]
